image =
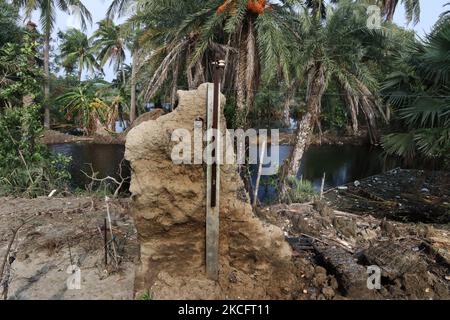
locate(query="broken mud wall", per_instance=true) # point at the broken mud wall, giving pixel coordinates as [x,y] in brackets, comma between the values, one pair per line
[169,211]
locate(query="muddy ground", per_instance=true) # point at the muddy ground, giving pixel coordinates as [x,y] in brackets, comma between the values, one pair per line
[56,137]
[60,232]
[376,221]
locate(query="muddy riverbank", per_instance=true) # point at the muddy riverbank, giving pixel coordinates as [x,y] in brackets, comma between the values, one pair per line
[285,138]
[102,136]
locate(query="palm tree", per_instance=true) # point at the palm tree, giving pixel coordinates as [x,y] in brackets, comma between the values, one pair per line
[412,8]
[419,92]
[76,52]
[185,38]
[81,104]
[94,105]
[47,9]
[446,13]
[111,46]
[331,51]
[120,8]
[135,65]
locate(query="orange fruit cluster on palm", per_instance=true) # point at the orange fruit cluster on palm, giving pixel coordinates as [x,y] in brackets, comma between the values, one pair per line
[255,6]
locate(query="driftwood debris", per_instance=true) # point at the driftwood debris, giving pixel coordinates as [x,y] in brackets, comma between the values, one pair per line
[351,276]
[8,258]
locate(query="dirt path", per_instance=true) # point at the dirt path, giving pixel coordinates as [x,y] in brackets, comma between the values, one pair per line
[64,232]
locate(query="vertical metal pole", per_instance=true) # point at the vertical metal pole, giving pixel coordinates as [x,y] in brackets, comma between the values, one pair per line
[213,176]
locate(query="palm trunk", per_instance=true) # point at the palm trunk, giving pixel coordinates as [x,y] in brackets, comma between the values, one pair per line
[28,99]
[47,80]
[354,115]
[227,58]
[246,73]
[286,112]
[173,95]
[199,75]
[288,103]
[133,111]
[251,74]
[80,73]
[122,69]
[302,136]
[371,120]
[352,106]
[390,14]
[241,109]
[369,106]
[316,88]
[189,75]
[190,78]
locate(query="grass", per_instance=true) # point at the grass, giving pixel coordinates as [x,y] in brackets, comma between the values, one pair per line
[301,190]
[145,297]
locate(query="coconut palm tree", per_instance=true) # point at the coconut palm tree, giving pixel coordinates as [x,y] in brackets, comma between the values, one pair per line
[136,55]
[110,44]
[76,52]
[47,10]
[331,51]
[121,8]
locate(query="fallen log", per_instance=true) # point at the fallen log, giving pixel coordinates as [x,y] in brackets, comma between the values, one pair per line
[351,276]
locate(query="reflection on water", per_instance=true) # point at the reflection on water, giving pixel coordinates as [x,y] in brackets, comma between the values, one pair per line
[342,164]
[105,159]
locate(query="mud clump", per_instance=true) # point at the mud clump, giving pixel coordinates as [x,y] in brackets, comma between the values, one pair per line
[147,116]
[169,211]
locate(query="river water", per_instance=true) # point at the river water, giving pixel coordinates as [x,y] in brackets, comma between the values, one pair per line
[342,164]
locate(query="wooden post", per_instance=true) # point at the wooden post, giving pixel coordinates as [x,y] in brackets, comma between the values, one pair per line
[213,176]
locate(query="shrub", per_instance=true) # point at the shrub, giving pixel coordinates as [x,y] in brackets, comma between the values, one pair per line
[301,190]
[27,167]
